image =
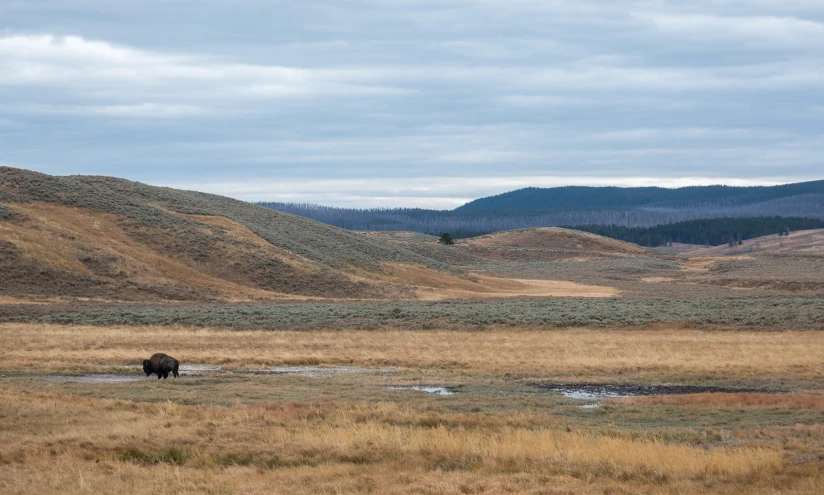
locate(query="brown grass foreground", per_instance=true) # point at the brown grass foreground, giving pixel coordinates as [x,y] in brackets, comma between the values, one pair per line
[54,442]
[666,351]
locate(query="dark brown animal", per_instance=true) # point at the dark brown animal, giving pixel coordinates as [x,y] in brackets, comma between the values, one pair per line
[162,365]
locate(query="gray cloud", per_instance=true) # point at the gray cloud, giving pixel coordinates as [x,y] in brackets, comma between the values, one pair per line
[377,102]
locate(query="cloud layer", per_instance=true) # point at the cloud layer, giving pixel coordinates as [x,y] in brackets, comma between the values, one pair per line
[413,103]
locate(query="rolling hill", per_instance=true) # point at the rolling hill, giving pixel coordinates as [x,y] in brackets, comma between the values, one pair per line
[548,243]
[109,239]
[101,237]
[800,242]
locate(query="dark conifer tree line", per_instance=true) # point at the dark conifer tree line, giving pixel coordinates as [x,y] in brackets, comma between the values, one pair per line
[647,216]
[714,231]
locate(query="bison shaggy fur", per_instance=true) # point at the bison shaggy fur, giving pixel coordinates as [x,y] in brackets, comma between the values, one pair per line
[161,364]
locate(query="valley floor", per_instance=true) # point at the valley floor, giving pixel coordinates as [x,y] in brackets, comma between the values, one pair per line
[335,411]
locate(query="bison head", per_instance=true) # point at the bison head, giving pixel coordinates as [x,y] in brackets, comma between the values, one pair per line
[147,367]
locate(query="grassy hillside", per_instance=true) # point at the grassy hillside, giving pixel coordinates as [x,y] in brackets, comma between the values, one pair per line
[162,208]
[108,238]
[802,242]
[545,244]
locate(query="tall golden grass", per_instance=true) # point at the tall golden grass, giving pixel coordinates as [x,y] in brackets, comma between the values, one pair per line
[82,439]
[666,351]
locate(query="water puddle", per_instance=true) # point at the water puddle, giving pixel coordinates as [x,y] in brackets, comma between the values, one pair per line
[590,391]
[596,391]
[311,371]
[199,370]
[428,390]
[92,378]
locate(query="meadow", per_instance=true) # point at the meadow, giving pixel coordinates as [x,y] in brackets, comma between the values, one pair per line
[340,429]
[666,351]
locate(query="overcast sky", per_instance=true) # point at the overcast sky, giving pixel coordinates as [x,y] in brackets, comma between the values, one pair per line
[413,103]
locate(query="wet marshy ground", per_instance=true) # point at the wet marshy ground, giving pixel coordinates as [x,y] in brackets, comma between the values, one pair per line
[593,392]
[202,370]
[615,391]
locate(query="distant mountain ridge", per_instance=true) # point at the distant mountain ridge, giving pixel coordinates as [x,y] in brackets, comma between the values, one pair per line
[576,206]
[596,198]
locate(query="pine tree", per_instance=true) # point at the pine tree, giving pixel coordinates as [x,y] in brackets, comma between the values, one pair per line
[446,239]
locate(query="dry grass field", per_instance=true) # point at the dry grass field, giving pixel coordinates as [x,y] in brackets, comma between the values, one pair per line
[662,351]
[230,432]
[82,445]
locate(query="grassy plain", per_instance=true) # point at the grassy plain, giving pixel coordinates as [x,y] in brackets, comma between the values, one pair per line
[230,432]
[661,351]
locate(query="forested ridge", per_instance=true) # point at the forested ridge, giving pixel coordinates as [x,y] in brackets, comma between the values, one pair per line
[577,207]
[583,197]
[712,232]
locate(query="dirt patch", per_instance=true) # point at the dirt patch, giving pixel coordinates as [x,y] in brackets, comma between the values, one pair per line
[657,280]
[437,286]
[24,300]
[532,288]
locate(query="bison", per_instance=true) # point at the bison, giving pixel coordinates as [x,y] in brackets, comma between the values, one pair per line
[161,364]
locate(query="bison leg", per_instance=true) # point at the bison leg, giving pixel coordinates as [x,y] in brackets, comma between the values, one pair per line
[159,375]
[176,374]
[165,375]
